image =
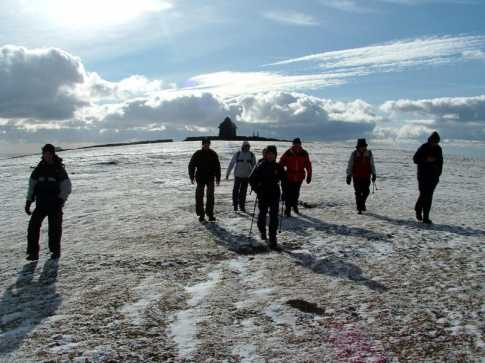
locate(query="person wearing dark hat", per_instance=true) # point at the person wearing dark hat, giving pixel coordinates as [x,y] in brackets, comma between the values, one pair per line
[204,169]
[361,170]
[49,187]
[429,158]
[298,166]
[244,162]
[265,180]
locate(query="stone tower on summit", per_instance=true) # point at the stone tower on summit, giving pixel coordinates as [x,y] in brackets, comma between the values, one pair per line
[227,129]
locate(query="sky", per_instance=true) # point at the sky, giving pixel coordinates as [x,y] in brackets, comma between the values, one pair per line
[87,72]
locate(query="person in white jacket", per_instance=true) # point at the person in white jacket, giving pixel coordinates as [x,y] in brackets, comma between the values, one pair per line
[244,162]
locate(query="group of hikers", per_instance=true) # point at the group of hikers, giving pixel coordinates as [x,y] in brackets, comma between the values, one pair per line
[272,181]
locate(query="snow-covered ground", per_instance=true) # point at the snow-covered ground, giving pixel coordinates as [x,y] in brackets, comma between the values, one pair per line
[140,279]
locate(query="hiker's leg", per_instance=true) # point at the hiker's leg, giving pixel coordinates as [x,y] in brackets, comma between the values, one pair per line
[209,207]
[55,231]
[33,231]
[235,192]
[263,211]
[273,217]
[199,199]
[428,198]
[243,192]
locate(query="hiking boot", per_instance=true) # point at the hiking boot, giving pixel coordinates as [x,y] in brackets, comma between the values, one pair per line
[242,208]
[359,211]
[419,215]
[235,208]
[32,257]
[212,218]
[363,208]
[201,218]
[295,209]
[427,221]
[273,244]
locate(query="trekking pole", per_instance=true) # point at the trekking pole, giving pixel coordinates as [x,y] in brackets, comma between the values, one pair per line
[281,216]
[252,218]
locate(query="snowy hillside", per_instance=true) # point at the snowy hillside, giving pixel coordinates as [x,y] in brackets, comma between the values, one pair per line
[140,279]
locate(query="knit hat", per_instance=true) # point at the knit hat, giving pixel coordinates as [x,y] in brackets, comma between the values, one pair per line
[361,143]
[297,141]
[245,144]
[434,137]
[206,140]
[49,148]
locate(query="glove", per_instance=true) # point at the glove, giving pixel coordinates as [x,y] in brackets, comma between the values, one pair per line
[308,179]
[61,202]
[373,178]
[28,203]
[348,180]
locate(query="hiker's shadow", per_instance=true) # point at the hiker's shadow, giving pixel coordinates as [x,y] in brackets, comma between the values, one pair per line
[463,231]
[239,243]
[26,303]
[335,267]
[303,222]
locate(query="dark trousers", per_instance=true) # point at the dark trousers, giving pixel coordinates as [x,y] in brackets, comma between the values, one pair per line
[292,194]
[362,191]
[271,206]
[54,216]
[199,198]
[425,199]
[239,192]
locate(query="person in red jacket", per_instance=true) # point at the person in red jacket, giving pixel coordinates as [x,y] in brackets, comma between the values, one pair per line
[297,163]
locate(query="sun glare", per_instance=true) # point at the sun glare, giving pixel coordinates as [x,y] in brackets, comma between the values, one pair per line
[100,13]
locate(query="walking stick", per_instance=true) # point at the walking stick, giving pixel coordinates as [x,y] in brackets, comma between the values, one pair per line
[281,216]
[252,218]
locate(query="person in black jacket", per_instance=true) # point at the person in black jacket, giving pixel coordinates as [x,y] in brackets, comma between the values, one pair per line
[49,187]
[429,159]
[265,180]
[204,167]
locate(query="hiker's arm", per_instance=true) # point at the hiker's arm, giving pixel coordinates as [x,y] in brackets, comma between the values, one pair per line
[350,164]
[192,165]
[231,165]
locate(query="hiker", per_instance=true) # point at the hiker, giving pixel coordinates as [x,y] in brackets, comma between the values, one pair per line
[204,168]
[244,162]
[265,181]
[49,187]
[297,163]
[361,169]
[429,159]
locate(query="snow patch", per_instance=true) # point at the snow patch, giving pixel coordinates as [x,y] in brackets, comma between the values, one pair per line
[183,328]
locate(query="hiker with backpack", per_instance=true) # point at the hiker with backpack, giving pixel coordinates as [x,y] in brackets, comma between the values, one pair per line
[205,169]
[298,166]
[244,162]
[49,188]
[429,158]
[361,170]
[265,180]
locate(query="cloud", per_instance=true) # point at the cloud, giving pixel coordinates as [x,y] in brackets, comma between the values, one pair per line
[455,117]
[40,83]
[235,83]
[347,5]
[46,94]
[394,56]
[291,18]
